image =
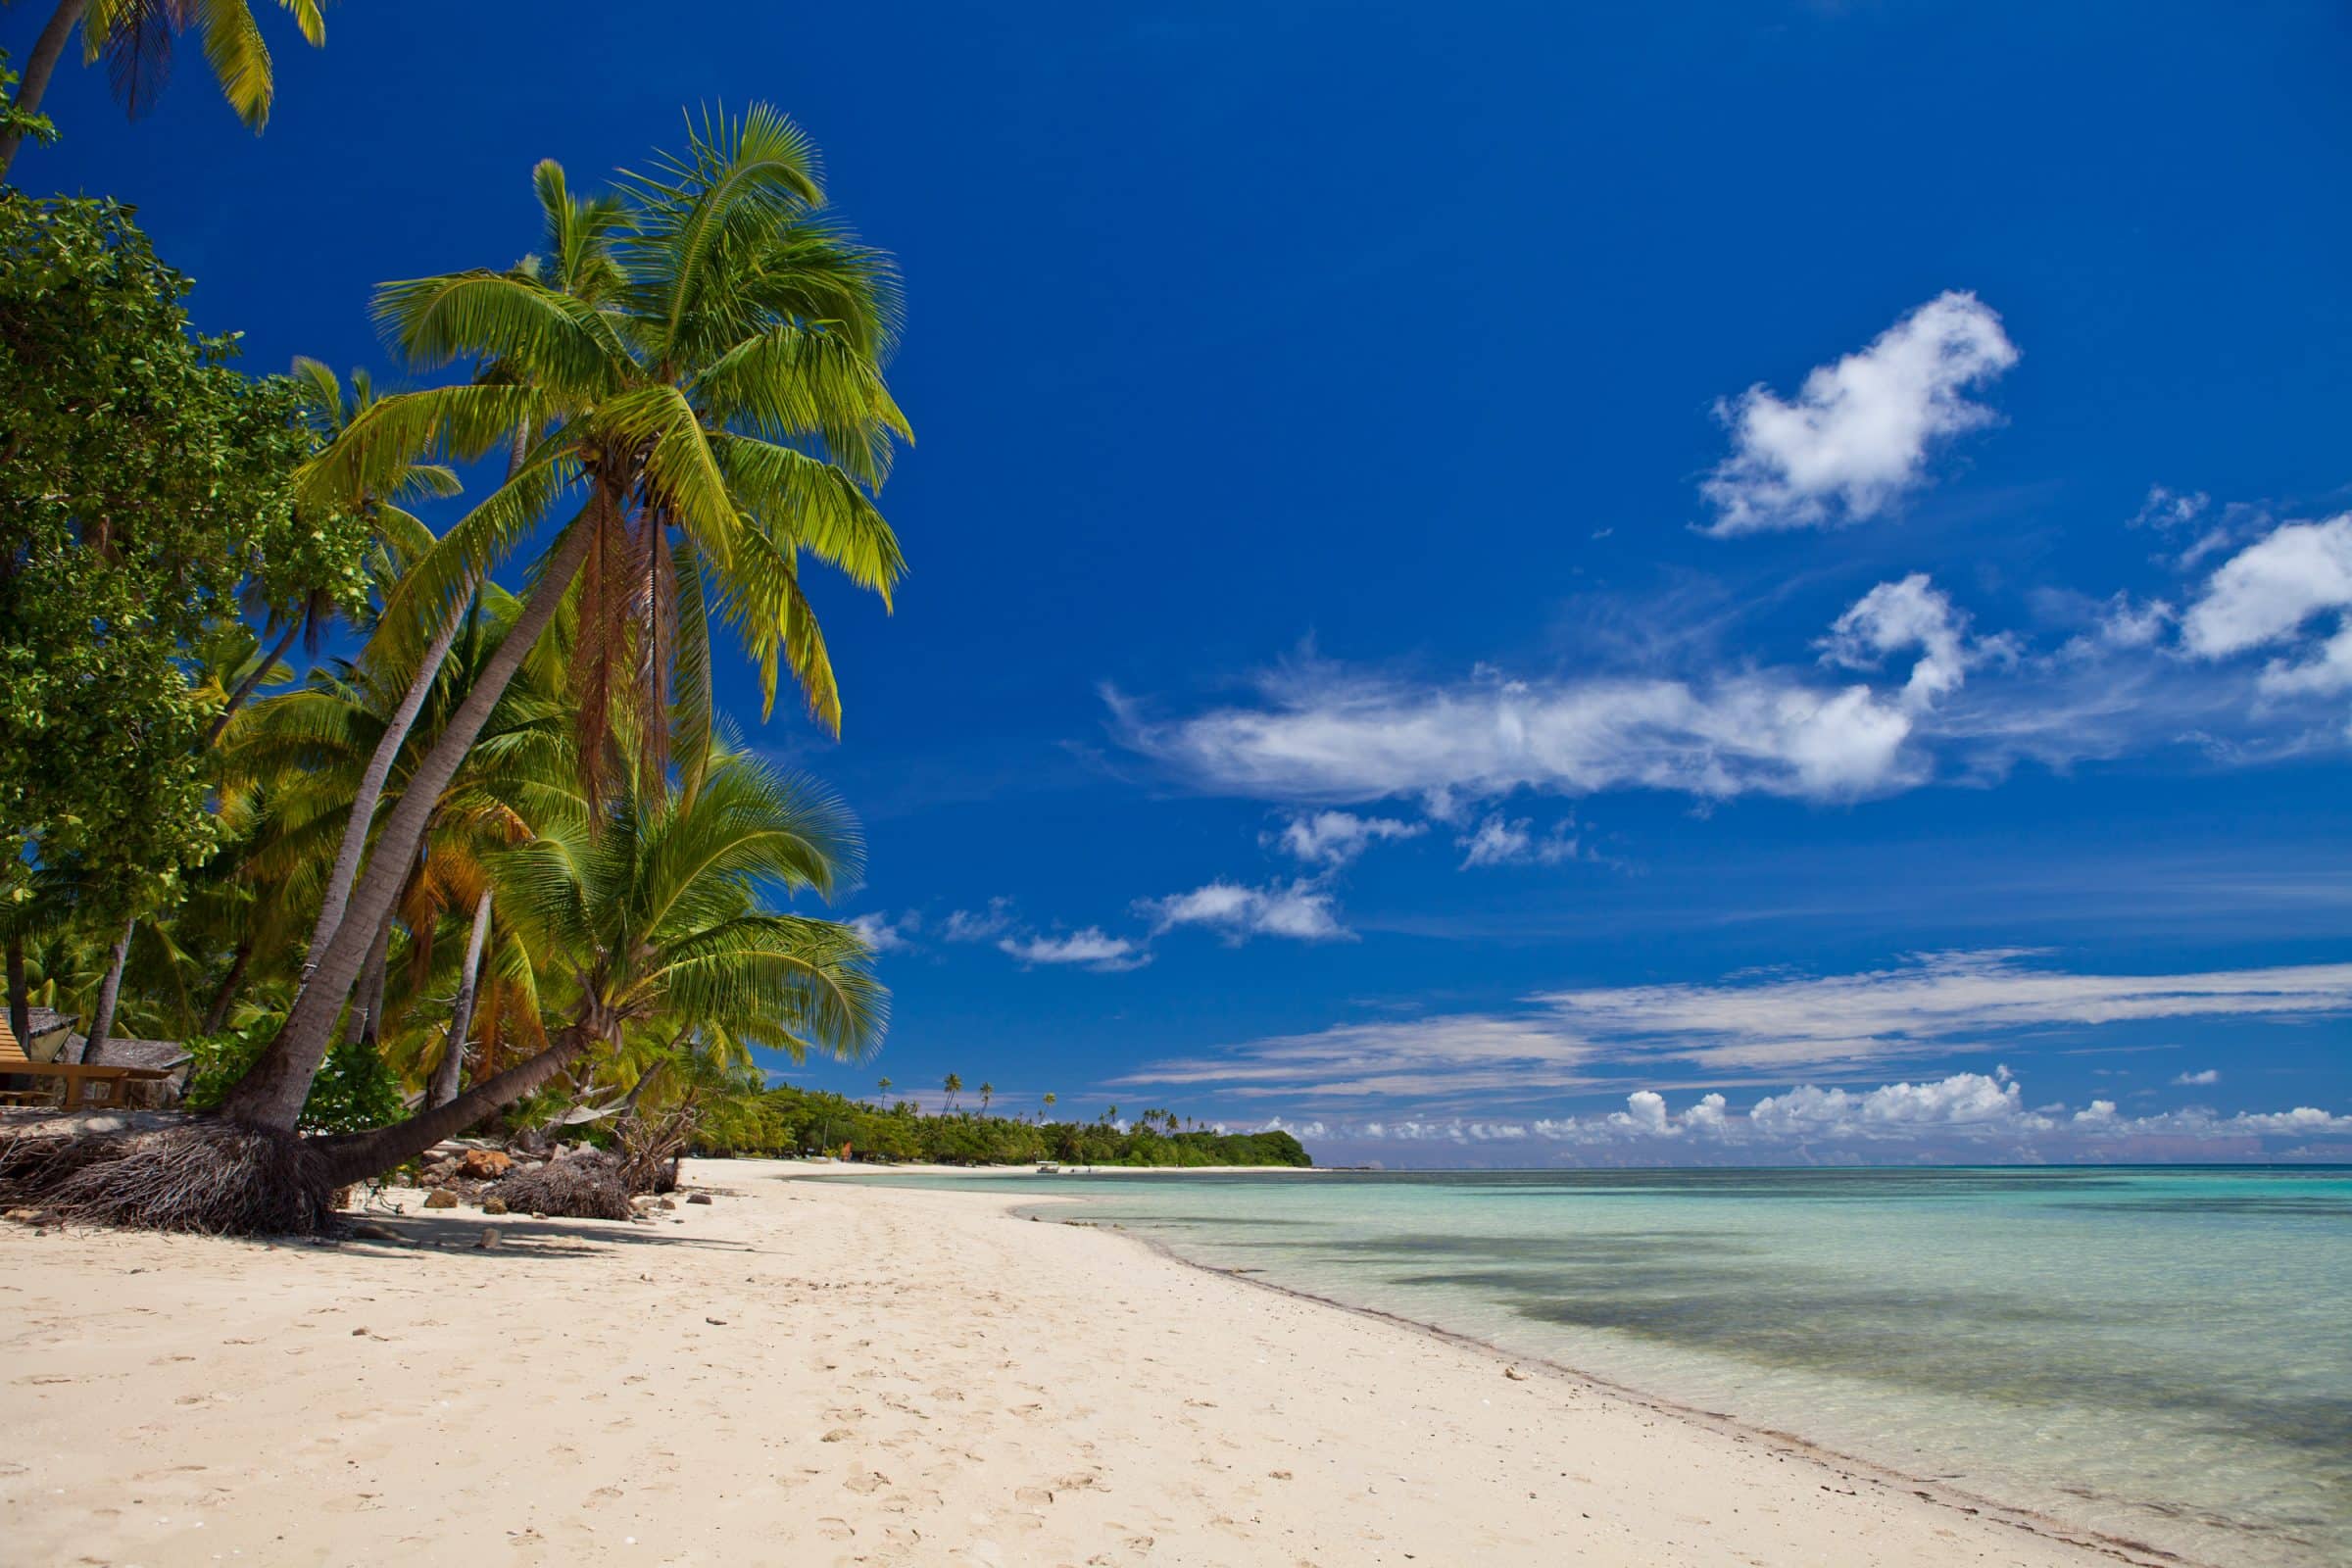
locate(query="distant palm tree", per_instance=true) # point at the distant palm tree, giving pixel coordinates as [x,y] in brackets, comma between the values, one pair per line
[1050,1097]
[884,1086]
[954,1087]
[136,37]
[988,1092]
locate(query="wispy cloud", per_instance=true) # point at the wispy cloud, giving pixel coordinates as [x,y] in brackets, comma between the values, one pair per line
[1090,948]
[1859,431]
[1335,838]
[1302,910]
[1756,1027]
[1498,840]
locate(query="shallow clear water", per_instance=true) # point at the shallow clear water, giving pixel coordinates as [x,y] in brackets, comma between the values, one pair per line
[2165,1355]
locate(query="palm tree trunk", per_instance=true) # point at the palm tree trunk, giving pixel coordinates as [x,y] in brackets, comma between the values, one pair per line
[366,1014]
[217,1014]
[444,1087]
[252,681]
[372,790]
[20,1000]
[102,1023]
[270,1096]
[40,66]
[355,1156]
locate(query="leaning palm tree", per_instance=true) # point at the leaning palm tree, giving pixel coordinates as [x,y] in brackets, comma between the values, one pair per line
[659,913]
[988,1092]
[953,1085]
[136,37]
[721,415]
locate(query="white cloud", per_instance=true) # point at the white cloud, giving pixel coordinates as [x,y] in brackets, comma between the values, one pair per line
[1513,841]
[2168,508]
[1953,1116]
[1326,735]
[1747,1029]
[1963,1099]
[1858,434]
[2196,1080]
[1301,911]
[970,925]
[2125,623]
[1927,1003]
[884,934]
[1335,838]
[2272,587]
[1895,618]
[1091,949]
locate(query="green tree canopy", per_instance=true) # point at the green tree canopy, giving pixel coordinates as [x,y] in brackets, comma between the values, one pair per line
[145,500]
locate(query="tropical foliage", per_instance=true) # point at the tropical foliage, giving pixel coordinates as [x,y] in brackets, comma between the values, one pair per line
[799,1121]
[492,856]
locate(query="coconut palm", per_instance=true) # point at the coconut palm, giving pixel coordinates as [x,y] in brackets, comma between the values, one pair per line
[659,915]
[988,1092]
[136,38]
[719,417]
[1050,1100]
[954,1085]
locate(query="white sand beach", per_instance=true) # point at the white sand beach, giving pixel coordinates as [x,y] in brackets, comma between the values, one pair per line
[833,1373]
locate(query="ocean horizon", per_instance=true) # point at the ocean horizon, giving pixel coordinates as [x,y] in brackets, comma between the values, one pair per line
[2155,1352]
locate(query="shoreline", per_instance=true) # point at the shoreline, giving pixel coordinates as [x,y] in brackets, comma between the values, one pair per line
[838,1372]
[1847,1466]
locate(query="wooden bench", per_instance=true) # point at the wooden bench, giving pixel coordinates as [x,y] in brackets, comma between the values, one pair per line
[73,1078]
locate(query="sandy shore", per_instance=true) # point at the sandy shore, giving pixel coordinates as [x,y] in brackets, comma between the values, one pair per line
[824,1372]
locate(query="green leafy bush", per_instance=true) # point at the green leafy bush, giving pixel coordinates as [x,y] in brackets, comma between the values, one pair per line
[354,1091]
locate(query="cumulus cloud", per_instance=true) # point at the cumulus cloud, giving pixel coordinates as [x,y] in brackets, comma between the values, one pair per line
[1301,911]
[1895,618]
[1089,949]
[1513,841]
[1963,1114]
[1860,433]
[2197,1080]
[885,934]
[2267,593]
[1335,838]
[1746,1028]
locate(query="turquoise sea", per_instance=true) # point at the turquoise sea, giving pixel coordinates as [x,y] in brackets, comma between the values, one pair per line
[2163,1354]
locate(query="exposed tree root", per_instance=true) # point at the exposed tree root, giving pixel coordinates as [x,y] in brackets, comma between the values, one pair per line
[582,1186]
[211,1177]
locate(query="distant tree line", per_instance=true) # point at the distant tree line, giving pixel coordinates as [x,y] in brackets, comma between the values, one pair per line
[807,1121]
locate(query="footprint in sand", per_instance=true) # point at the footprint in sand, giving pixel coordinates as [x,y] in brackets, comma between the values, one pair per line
[868,1482]
[834,1529]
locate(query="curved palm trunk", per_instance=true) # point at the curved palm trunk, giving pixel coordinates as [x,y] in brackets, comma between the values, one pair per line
[355,1156]
[109,990]
[372,790]
[40,66]
[270,1096]
[252,681]
[444,1087]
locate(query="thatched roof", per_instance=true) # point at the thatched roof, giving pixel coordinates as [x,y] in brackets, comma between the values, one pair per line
[161,1055]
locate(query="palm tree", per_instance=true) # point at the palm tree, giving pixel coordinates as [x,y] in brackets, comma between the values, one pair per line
[136,38]
[884,1086]
[1050,1099]
[659,913]
[723,414]
[988,1092]
[953,1085]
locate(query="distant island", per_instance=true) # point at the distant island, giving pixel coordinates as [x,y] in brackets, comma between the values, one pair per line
[793,1121]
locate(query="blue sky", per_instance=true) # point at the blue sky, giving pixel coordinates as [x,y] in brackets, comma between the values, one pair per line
[1482,574]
